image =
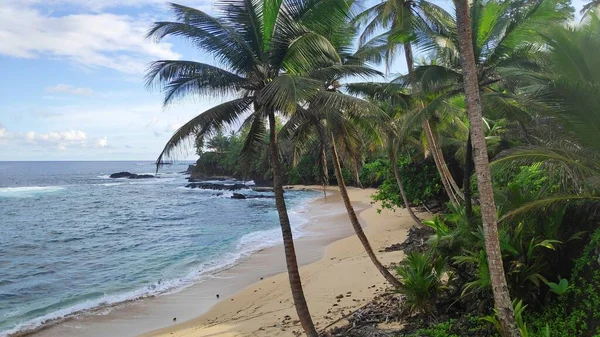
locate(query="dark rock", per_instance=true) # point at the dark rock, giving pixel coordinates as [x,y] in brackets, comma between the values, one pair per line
[190,169]
[121,175]
[131,175]
[251,196]
[194,178]
[262,189]
[219,187]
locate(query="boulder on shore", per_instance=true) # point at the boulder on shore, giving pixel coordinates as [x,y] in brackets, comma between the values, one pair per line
[131,175]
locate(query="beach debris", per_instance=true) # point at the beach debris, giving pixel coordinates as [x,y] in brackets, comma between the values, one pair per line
[363,321]
[261,278]
[340,296]
[416,240]
[174,319]
[217,295]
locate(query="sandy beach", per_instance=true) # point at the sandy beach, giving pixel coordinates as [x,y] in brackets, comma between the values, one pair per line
[254,295]
[265,308]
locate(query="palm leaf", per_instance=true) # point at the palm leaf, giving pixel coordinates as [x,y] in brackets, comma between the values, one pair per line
[206,123]
[182,78]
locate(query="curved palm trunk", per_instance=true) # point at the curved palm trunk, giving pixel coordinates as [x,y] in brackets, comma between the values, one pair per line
[354,220]
[288,241]
[506,314]
[394,162]
[439,162]
[436,152]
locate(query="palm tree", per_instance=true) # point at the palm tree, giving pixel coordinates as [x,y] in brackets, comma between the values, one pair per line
[502,300]
[565,139]
[503,43]
[590,7]
[393,101]
[339,130]
[264,49]
[401,18]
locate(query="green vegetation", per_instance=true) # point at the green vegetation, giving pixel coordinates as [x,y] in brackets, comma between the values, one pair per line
[500,127]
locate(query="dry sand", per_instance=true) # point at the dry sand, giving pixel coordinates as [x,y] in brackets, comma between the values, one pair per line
[266,308]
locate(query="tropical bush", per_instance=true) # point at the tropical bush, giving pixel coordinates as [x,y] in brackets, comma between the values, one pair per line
[421,182]
[421,275]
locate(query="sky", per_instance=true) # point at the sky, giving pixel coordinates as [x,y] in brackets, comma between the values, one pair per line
[72,83]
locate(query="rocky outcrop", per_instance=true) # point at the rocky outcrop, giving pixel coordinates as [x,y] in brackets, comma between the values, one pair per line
[131,175]
[196,179]
[218,187]
[238,196]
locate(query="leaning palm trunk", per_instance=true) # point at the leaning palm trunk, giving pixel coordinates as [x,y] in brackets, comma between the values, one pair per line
[440,163]
[354,220]
[288,242]
[436,152]
[504,307]
[401,187]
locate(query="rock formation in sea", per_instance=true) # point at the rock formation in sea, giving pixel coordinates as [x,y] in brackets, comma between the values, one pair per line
[131,175]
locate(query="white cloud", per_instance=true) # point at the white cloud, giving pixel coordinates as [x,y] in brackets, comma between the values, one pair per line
[70,136]
[102,142]
[60,140]
[90,40]
[99,5]
[68,89]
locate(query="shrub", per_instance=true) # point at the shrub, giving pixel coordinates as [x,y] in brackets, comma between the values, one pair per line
[421,182]
[421,275]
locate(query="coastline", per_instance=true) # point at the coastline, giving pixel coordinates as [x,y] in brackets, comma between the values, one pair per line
[339,282]
[134,317]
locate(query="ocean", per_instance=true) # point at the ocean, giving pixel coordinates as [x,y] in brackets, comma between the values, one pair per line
[73,239]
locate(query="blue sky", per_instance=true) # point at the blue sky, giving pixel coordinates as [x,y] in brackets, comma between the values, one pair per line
[72,80]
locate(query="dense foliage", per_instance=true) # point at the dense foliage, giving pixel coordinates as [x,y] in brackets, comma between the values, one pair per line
[538,75]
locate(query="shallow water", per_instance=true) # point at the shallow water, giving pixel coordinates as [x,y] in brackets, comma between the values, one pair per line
[73,239]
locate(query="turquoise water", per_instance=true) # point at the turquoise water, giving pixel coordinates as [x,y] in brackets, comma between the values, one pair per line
[72,239]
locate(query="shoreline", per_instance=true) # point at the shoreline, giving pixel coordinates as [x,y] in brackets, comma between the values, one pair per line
[339,282]
[138,316]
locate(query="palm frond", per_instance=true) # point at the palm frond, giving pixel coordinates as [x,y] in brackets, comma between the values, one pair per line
[204,124]
[182,78]
[208,34]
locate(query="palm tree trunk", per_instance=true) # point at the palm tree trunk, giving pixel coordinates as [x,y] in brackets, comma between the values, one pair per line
[467,180]
[354,220]
[394,163]
[506,314]
[439,164]
[288,241]
[435,151]
[325,175]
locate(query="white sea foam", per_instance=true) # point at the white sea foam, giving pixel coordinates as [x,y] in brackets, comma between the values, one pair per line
[110,184]
[28,191]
